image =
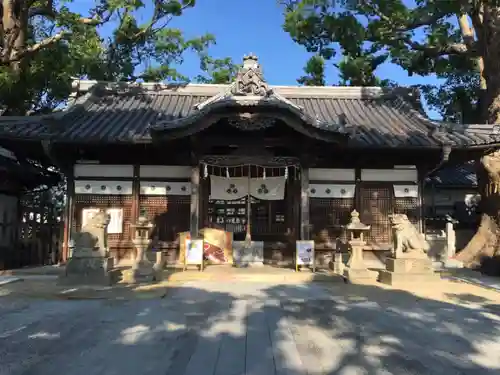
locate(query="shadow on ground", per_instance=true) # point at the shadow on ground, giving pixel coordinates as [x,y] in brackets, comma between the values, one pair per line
[252,328]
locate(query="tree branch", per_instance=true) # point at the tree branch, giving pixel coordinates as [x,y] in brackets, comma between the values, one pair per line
[400,33]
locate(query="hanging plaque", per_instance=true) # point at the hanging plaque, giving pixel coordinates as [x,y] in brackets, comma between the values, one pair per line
[304,255]
[194,253]
[116,220]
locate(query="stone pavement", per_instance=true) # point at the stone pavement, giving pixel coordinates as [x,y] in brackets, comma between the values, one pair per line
[214,328]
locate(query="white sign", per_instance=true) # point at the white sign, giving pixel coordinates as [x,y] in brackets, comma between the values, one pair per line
[305,253]
[116,220]
[194,252]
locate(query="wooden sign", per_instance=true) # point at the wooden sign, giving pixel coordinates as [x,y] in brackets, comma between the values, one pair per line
[194,253]
[304,255]
[218,245]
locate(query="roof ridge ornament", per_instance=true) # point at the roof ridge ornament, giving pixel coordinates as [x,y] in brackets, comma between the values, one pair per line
[249,83]
[250,79]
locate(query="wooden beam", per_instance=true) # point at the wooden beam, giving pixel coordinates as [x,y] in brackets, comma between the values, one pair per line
[304,204]
[69,214]
[195,202]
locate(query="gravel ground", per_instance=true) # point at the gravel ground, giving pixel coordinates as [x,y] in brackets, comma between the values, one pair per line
[236,328]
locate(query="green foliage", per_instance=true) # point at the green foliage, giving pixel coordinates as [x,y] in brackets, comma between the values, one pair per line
[217,71]
[422,37]
[457,99]
[315,72]
[62,44]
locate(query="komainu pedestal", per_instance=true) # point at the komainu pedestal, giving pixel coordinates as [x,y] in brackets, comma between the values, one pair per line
[90,263]
[409,262]
[401,271]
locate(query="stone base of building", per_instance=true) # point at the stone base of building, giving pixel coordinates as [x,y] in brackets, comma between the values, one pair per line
[358,275]
[404,271]
[89,271]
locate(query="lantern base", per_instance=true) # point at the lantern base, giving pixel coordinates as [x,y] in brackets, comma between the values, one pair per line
[358,275]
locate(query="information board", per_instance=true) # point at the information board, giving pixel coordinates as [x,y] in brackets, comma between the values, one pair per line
[194,253]
[304,254]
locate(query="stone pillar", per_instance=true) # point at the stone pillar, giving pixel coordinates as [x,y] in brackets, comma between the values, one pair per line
[304,205]
[451,246]
[338,263]
[195,202]
[450,240]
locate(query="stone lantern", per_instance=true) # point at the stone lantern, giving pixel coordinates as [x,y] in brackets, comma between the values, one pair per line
[142,268]
[356,269]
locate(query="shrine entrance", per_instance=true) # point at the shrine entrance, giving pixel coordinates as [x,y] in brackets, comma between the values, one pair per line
[252,198]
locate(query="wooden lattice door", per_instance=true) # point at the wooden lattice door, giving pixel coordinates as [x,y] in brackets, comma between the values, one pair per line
[376,204]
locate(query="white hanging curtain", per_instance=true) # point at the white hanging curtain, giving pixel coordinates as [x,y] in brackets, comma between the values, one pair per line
[270,188]
[222,188]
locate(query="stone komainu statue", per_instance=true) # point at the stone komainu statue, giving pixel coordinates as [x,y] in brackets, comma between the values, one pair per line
[407,240]
[93,236]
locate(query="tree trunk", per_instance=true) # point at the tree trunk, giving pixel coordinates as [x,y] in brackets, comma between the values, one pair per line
[13,39]
[485,245]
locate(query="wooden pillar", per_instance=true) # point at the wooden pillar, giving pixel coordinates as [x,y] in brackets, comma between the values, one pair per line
[421,208]
[304,204]
[136,191]
[69,213]
[195,202]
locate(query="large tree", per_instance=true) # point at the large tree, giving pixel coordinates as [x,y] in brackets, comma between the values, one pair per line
[426,37]
[44,43]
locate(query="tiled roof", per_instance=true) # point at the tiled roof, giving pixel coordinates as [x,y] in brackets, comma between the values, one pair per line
[109,115]
[456,176]
[115,113]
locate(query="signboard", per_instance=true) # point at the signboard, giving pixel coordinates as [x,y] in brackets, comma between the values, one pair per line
[116,220]
[304,254]
[115,214]
[194,253]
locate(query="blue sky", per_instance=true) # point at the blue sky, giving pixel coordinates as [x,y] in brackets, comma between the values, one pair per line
[243,26]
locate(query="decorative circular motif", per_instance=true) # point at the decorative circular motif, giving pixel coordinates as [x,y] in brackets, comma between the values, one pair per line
[169,188]
[263,186]
[103,187]
[228,191]
[183,188]
[119,188]
[235,191]
[260,191]
[87,187]
[232,186]
[407,190]
[153,187]
[266,191]
[328,191]
[313,191]
[342,191]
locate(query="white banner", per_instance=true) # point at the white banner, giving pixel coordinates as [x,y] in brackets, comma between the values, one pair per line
[223,188]
[271,188]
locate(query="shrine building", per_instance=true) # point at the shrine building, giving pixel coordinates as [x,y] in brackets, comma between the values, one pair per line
[277,163]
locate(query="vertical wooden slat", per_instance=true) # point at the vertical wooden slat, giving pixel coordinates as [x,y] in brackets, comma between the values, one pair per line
[304,204]
[136,190]
[68,215]
[195,202]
